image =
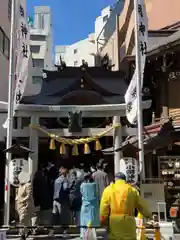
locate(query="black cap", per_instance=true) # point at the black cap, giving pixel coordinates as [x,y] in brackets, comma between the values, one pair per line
[120,176]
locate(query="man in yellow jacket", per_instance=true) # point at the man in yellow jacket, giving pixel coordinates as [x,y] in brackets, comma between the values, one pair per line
[117,208]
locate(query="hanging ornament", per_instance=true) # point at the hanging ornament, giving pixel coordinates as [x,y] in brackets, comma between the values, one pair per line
[52,144]
[75,151]
[86,149]
[177,164]
[63,149]
[98,145]
[170,163]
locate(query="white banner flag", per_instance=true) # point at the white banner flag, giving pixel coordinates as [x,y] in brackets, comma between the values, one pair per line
[131,93]
[22,53]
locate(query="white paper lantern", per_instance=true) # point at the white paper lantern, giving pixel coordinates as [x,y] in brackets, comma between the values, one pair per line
[16,166]
[129,166]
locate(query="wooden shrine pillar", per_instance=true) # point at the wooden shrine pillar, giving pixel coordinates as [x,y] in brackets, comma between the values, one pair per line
[34,145]
[117,143]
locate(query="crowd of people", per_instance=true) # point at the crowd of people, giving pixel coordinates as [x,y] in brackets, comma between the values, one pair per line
[62,196]
[83,197]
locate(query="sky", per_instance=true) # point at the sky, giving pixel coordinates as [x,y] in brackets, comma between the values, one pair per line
[72,20]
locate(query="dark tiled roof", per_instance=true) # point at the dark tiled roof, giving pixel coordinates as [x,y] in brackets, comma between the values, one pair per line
[64,87]
[18,149]
[164,135]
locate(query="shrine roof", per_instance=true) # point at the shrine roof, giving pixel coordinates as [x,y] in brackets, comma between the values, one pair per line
[156,136]
[166,42]
[18,149]
[160,43]
[79,85]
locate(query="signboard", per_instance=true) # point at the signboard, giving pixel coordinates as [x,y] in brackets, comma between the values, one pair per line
[16,166]
[154,195]
[129,166]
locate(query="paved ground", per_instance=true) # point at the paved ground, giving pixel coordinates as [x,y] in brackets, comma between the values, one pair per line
[72,237]
[101,235]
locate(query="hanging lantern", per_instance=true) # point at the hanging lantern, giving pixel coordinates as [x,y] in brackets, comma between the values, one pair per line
[173,212]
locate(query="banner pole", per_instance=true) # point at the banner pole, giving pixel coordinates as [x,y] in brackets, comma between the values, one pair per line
[139,91]
[9,118]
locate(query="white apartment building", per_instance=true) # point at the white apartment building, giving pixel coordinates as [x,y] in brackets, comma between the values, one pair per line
[85,49]
[74,53]
[41,47]
[5,18]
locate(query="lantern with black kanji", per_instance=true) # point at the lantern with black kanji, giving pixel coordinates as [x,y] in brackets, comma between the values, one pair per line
[19,163]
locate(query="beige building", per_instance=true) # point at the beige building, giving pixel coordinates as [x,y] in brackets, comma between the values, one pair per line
[5,15]
[161,14]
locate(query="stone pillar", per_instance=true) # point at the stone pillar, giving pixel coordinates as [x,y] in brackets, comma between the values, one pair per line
[117,143]
[33,145]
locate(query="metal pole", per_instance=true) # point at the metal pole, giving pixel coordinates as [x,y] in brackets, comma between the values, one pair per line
[9,118]
[117,144]
[139,92]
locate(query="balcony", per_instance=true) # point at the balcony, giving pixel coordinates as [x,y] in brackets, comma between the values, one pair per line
[92,38]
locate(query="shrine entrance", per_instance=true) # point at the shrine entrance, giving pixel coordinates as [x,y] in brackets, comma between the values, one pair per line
[36,132]
[104,92]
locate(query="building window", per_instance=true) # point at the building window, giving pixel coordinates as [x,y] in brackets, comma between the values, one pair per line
[9,9]
[35,49]
[41,20]
[105,18]
[75,50]
[6,47]
[4,44]
[75,63]
[39,63]
[36,80]
[37,37]
[1,40]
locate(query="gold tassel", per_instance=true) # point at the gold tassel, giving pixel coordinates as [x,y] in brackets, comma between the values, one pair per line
[98,145]
[86,149]
[52,144]
[62,149]
[75,151]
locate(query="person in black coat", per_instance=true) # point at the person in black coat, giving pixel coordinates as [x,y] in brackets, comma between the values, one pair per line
[75,196]
[43,190]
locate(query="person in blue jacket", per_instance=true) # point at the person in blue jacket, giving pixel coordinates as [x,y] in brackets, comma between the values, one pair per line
[90,205]
[61,205]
